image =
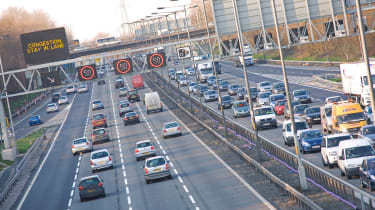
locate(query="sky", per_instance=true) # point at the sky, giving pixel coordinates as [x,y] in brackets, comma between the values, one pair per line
[88,17]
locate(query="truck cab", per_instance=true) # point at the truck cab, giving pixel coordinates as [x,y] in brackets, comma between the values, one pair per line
[347,117]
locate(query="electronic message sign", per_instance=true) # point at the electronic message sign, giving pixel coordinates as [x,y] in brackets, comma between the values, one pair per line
[45,46]
[50,79]
[123,66]
[87,72]
[156,60]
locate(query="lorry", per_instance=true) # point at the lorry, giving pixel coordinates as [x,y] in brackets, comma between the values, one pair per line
[205,70]
[248,57]
[355,83]
[347,117]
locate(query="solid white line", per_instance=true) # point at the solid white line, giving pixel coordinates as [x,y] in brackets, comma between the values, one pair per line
[185,188]
[192,199]
[179,179]
[44,160]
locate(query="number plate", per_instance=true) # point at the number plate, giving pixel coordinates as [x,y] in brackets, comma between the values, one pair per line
[158,169]
[80,149]
[146,153]
[92,190]
[130,118]
[316,146]
[265,124]
[101,162]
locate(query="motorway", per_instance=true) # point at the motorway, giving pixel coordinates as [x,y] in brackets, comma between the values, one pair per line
[297,76]
[200,180]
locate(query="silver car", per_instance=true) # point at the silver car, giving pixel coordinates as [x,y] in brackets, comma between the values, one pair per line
[156,168]
[171,129]
[123,92]
[100,159]
[144,149]
[52,108]
[210,95]
[81,145]
[83,88]
[264,86]
[263,98]
[191,86]
[97,104]
[63,100]
[124,108]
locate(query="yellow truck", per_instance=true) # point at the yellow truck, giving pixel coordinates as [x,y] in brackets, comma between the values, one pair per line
[347,117]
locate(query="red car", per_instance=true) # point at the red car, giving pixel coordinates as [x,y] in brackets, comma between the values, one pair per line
[137,82]
[280,106]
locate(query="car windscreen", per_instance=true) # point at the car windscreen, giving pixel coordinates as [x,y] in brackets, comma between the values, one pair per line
[280,103]
[144,144]
[264,95]
[300,92]
[70,87]
[98,132]
[299,126]
[354,117]
[123,89]
[300,108]
[313,110]
[277,97]
[52,105]
[226,98]
[264,84]
[98,117]
[96,102]
[89,182]
[206,71]
[263,111]
[124,105]
[279,85]
[240,105]
[133,92]
[328,111]
[356,152]
[155,162]
[311,134]
[235,86]
[334,141]
[192,84]
[130,114]
[79,141]
[334,99]
[210,92]
[97,155]
[369,130]
[253,90]
[34,118]
[63,97]
[171,125]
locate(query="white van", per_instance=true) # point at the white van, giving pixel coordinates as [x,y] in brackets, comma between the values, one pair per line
[205,70]
[351,154]
[152,102]
[330,147]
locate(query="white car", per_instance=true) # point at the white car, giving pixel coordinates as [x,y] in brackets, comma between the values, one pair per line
[83,88]
[263,98]
[100,159]
[210,95]
[156,168]
[265,117]
[70,89]
[81,145]
[171,129]
[330,147]
[63,100]
[264,86]
[144,149]
[288,136]
[52,108]
[190,71]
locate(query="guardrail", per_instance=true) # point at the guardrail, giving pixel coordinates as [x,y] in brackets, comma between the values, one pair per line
[342,190]
[300,63]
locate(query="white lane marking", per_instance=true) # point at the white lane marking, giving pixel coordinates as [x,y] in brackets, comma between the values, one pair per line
[127,190]
[185,188]
[170,163]
[167,157]
[129,200]
[175,171]
[44,160]
[121,155]
[126,181]
[124,173]
[74,184]
[123,167]
[71,193]
[122,161]
[157,141]
[179,179]
[70,202]
[161,147]
[197,208]
[192,199]
[164,152]
[250,188]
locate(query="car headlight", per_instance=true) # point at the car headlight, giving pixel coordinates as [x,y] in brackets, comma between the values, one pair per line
[305,144]
[332,153]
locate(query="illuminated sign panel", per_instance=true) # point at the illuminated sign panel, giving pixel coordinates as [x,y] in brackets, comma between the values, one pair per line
[87,72]
[123,66]
[156,60]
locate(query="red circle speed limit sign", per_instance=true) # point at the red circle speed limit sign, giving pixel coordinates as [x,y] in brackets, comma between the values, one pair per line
[156,60]
[87,72]
[123,66]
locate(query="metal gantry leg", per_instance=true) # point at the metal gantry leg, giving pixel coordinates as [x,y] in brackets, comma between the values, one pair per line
[309,19]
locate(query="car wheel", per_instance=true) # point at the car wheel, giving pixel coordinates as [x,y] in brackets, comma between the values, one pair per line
[370,186]
[106,125]
[137,159]
[148,181]
[330,165]
[93,171]
[170,176]
[349,176]
[82,199]
[235,116]
[324,162]
[103,196]
[164,137]
[342,173]
[125,124]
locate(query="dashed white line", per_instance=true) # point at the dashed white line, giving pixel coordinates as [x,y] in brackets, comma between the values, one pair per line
[124,173]
[74,184]
[170,163]
[185,188]
[127,190]
[192,199]
[167,157]
[180,179]
[175,171]
[71,193]
[129,200]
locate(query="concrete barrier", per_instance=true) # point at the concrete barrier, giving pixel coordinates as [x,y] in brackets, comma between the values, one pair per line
[300,63]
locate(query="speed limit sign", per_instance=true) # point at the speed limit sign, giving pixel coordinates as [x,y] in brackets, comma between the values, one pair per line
[183,52]
[87,72]
[156,60]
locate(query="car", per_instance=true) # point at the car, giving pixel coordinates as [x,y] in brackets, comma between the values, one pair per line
[302,96]
[70,89]
[99,135]
[144,149]
[101,82]
[330,146]
[52,108]
[183,80]
[35,120]
[131,117]
[263,98]
[265,117]
[201,89]
[288,135]
[172,74]
[369,115]
[100,159]
[171,129]
[310,140]
[264,86]
[81,145]
[367,173]
[190,71]
[312,115]
[223,85]
[119,83]
[210,95]
[278,88]
[124,108]
[253,93]
[233,89]
[99,120]
[286,108]
[211,80]
[178,75]
[326,118]
[156,168]
[368,132]
[275,97]
[97,104]
[280,106]
[241,109]
[91,187]
[241,92]
[191,86]
[83,88]
[332,99]
[133,96]
[226,102]
[152,102]
[299,110]
[63,100]
[55,97]
[123,92]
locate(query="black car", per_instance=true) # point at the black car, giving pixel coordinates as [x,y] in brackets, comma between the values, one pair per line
[133,96]
[101,82]
[312,115]
[130,118]
[91,187]
[226,102]
[55,97]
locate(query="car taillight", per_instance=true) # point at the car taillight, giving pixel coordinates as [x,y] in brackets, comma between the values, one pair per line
[72,146]
[87,143]
[125,118]
[166,166]
[109,158]
[136,151]
[100,184]
[152,148]
[91,163]
[146,171]
[80,188]
[164,131]
[93,135]
[178,128]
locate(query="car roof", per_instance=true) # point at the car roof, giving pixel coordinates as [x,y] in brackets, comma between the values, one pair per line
[98,129]
[354,142]
[97,114]
[140,142]
[79,139]
[170,122]
[51,104]
[152,158]
[262,107]
[99,150]
[35,116]
[89,177]
[338,135]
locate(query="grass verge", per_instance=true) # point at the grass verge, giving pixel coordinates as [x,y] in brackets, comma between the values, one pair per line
[23,144]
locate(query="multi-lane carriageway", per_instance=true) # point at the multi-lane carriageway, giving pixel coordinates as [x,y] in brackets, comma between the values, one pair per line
[200,179]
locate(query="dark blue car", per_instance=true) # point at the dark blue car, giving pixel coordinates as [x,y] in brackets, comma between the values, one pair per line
[367,173]
[35,120]
[310,140]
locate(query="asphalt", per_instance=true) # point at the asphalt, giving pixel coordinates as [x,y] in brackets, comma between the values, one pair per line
[199,181]
[235,76]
